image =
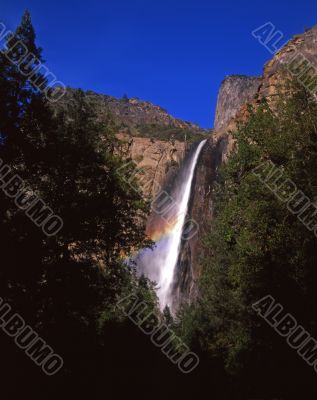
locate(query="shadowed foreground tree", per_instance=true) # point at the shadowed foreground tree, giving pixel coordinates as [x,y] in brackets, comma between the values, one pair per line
[65,286]
[258,247]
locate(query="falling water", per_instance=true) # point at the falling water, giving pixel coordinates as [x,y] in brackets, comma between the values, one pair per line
[166,229]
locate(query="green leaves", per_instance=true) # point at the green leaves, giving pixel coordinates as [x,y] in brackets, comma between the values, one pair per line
[256,246]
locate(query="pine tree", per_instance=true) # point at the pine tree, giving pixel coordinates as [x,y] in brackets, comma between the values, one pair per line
[168,318]
[19,96]
[63,284]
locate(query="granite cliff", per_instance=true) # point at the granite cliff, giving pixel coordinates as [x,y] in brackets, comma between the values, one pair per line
[235,90]
[298,58]
[156,160]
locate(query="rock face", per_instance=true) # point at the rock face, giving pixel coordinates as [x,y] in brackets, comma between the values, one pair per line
[156,160]
[201,210]
[296,57]
[235,91]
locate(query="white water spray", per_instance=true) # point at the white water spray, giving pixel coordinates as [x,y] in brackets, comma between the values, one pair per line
[160,263]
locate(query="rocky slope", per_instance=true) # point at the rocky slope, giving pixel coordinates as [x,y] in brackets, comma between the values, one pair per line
[137,117]
[155,140]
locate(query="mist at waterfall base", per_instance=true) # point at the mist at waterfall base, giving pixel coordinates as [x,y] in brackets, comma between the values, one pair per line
[168,226]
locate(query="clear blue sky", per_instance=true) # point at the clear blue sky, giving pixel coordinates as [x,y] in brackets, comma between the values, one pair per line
[173,53]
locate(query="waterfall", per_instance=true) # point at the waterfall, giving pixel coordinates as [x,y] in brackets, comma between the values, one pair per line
[166,229]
